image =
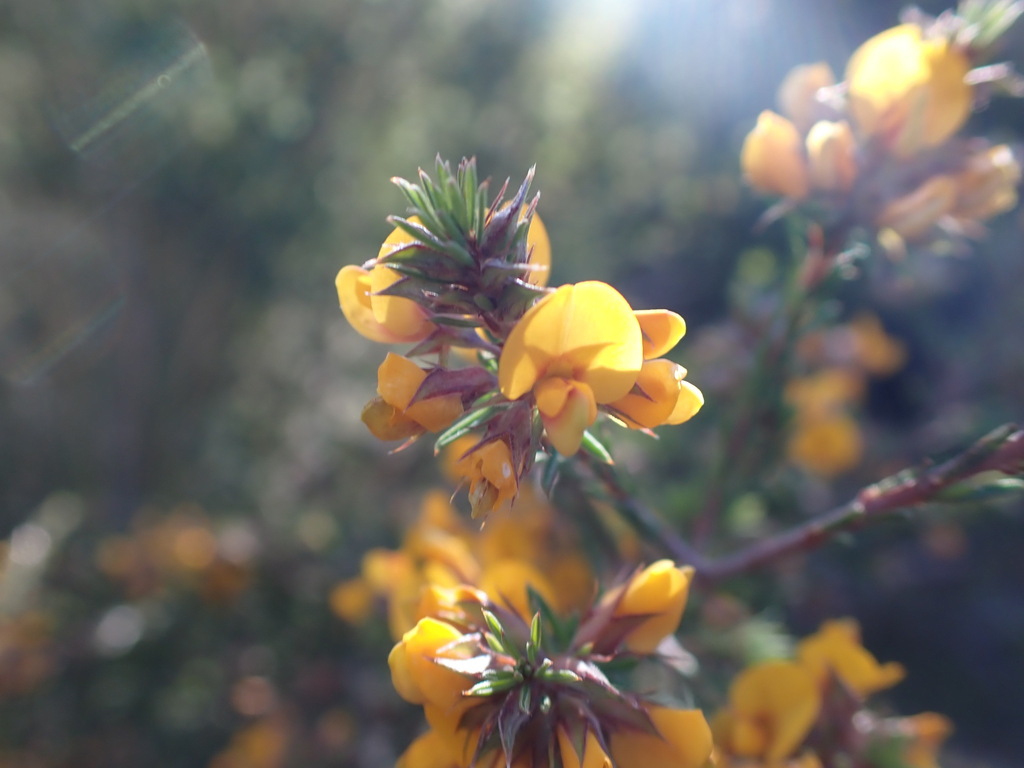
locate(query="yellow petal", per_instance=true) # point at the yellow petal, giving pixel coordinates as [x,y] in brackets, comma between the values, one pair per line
[566,408]
[690,401]
[660,383]
[589,754]
[429,750]
[398,380]
[386,422]
[661,330]
[988,186]
[538,246]
[506,583]
[831,156]
[908,91]
[400,316]
[416,676]
[915,214]
[660,590]
[586,332]
[782,698]
[684,741]
[773,157]
[797,96]
[836,649]
[353,284]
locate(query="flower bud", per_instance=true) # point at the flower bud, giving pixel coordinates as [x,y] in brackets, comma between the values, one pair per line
[988,186]
[831,156]
[658,593]
[915,214]
[797,96]
[773,157]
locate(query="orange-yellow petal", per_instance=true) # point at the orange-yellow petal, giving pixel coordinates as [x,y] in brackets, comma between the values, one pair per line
[566,408]
[659,591]
[416,676]
[774,704]
[538,246]
[683,741]
[773,157]
[506,582]
[915,214]
[398,379]
[353,284]
[835,649]
[586,332]
[587,754]
[660,385]
[831,155]
[661,330]
[429,750]
[797,96]
[908,91]
[826,445]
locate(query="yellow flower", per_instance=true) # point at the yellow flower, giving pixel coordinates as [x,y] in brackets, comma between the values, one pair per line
[507,582]
[538,246]
[393,416]
[773,158]
[835,649]
[878,352]
[772,707]
[831,154]
[660,329]
[683,740]
[797,95]
[826,445]
[988,186]
[824,392]
[576,348]
[352,600]
[493,483]
[907,91]
[387,319]
[915,214]
[655,598]
[414,673]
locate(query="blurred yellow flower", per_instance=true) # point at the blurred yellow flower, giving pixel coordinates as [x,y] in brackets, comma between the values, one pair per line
[826,445]
[924,734]
[835,650]
[831,156]
[988,185]
[908,91]
[772,707]
[773,158]
[415,675]
[682,740]
[797,96]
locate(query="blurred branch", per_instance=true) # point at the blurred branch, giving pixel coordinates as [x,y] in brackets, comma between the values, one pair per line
[1002,450]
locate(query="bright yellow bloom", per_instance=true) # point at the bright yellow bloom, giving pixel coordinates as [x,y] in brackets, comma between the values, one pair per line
[576,348]
[393,416]
[683,741]
[493,483]
[835,649]
[824,392]
[907,91]
[538,246]
[656,596]
[773,158]
[772,707]
[831,155]
[415,675]
[797,96]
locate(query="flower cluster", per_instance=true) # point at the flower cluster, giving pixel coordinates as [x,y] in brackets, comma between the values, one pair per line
[500,688]
[462,273]
[524,548]
[878,150]
[826,439]
[809,712]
